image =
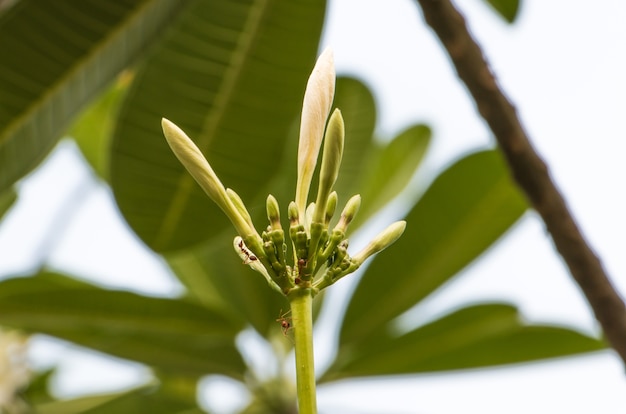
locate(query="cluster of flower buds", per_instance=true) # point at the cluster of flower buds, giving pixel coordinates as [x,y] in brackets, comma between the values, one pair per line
[319,254]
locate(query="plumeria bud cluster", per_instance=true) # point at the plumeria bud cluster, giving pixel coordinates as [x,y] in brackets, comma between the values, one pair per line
[319,255]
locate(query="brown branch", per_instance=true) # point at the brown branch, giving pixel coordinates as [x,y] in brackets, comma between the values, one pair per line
[528,169]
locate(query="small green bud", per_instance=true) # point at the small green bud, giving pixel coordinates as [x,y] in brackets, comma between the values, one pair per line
[273,212]
[348,213]
[331,161]
[333,241]
[317,230]
[300,242]
[293,214]
[278,238]
[331,206]
[380,242]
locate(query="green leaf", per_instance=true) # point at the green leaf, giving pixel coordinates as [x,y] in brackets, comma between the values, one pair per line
[465,210]
[476,336]
[43,282]
[232,76]
[172,335]
[59,55]
[390,170]
[37,390]
[93,130]
[142,400]
[506,8]
[7,199]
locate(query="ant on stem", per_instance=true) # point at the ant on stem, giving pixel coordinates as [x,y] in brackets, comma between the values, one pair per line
[285,322]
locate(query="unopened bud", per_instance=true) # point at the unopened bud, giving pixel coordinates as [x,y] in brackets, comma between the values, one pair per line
[273,212]
[381,241]
[318,98]
[331,206]
[331,161]
[193,160]
[240,206]
[348,213]
[293,214]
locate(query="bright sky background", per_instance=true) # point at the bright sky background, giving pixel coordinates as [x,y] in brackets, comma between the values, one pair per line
[562,63]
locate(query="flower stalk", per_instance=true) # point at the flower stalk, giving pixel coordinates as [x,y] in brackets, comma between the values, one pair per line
[301,303]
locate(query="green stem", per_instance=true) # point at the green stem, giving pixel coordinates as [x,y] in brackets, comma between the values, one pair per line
[301,301]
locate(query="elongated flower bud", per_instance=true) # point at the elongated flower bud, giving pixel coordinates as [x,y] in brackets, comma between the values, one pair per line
[240,206]
[331,161]
[383,240]
[193,160]
[318,99]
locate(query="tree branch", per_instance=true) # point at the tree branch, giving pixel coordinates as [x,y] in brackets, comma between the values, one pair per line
[528,169]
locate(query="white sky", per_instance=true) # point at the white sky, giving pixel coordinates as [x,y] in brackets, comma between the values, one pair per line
[562,63]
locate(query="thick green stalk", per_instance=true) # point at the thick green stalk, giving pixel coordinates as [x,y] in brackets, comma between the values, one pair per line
[301,301]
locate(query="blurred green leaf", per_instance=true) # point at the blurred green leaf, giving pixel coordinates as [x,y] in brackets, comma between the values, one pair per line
[476,336]
[43,282]
[37,390]
[59,55]
[93,129]
[506,8]
[465,210]
[7,198]
[390,170]
[78,405]
[232,76]
[172,335]
[141,400]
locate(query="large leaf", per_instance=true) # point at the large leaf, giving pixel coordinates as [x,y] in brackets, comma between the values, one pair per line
[232,75]
[59,55]
[172,335]
[465,210]
[476,336]
[390,169]
[93,129]
[142,400]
